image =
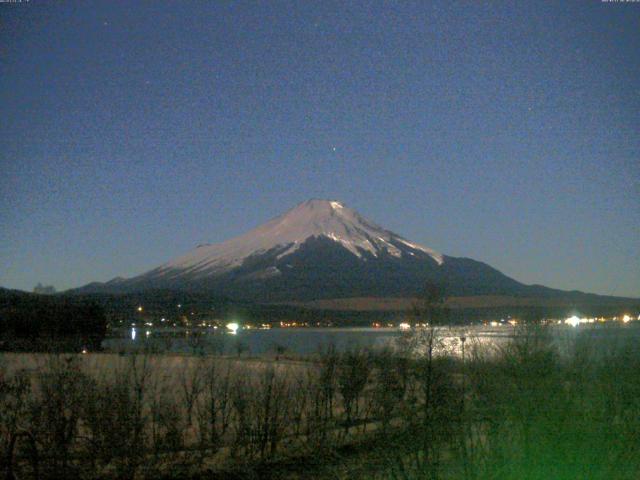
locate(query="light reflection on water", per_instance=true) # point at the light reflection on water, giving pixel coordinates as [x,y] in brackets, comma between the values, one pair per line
[303,341]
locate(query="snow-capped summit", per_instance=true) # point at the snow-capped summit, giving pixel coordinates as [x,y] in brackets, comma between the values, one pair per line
[318,249]
[286,233]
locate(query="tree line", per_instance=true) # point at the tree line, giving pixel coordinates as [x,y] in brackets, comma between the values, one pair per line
[30,322]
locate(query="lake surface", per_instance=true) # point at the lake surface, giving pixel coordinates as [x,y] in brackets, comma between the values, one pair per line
[304,341]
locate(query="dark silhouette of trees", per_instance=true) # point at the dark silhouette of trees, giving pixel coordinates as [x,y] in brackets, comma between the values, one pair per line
[36,322]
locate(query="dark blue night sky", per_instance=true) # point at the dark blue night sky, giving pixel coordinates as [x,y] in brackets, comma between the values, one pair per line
[506,132]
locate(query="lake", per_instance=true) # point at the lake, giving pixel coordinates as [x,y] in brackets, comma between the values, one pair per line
[305,341]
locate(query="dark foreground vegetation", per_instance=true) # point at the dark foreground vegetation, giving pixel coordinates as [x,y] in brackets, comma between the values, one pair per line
[31,322]
[521,412]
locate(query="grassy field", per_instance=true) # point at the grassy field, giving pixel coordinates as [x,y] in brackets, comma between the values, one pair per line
[519,410]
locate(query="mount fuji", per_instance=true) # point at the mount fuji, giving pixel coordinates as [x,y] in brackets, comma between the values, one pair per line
[320,249]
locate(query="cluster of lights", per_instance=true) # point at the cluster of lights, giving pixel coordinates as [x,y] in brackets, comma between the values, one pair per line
[233,327]
[209,325]
[293,324]
[512,321]
[377,325]
[401,326]
[574,320]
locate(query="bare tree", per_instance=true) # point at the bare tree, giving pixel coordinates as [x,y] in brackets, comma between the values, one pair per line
[15,390]
[214,405]
[191,381]
[56,409]
[432,411]
[322,381]
[273,408]
[261,407]
[389,386]
[353,373]
[116,416]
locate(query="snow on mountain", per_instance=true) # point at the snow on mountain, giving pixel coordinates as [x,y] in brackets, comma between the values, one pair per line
[320,249]
[286,233]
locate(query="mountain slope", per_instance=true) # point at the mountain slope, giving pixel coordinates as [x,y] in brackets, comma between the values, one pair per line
[320,249]
[286,234]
